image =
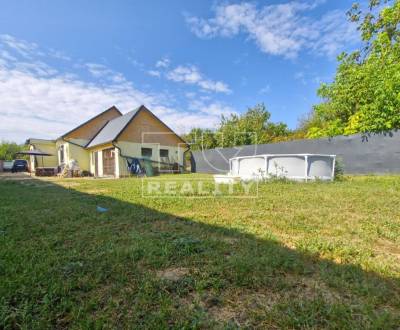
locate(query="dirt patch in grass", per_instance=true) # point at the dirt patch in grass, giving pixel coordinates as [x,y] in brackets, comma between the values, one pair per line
[225,310]
[240,307]
[96,191]
[68,184]
[308,287]
[8,176]
[228,240]
[224,314]
[237,307]
[386,246]
[173,274]
[35,184]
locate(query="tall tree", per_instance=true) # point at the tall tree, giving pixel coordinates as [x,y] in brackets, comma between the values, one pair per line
[365,94]
[200,139]
[244,129]
[252,127]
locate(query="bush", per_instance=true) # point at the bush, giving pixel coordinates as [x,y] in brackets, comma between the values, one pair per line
[339,169]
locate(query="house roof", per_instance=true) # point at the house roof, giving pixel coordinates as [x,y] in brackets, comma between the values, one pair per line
[43,141]
[91,119]
[112,129]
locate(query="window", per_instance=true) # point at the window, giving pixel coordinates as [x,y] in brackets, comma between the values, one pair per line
[147,152]
[164,153]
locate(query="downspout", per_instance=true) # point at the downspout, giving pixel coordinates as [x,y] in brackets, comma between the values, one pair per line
[120,151]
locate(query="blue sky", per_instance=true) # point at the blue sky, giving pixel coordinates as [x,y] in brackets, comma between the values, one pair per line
[62,62]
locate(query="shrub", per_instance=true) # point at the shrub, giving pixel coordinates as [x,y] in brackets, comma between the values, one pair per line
[339,169]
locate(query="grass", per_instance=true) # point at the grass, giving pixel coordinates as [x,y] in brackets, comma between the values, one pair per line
[316,255]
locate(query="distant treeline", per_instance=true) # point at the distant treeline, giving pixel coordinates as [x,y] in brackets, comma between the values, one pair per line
[9,149]
[252,127]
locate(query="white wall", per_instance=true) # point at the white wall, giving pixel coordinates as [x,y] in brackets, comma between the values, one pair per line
[71,151]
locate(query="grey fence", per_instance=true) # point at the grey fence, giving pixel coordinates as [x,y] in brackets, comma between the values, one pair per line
[359,155]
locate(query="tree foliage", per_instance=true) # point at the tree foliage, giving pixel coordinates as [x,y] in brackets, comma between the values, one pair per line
[9,149]
[252,127]
[365,94]
[200,138]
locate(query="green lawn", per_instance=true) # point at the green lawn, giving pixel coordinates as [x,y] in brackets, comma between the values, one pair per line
[316,255]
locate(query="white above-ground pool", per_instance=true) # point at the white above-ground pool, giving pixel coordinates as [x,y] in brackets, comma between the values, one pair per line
[302,167]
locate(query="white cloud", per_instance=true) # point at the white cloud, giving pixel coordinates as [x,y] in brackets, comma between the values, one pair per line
[59,55]
[37,102]
[191,75]
[21,47]
[279,29]
[163,63]
[6,56]
[216,109]
[208,113]
[334,34]
[154,73]
[40,101]
[29,50]
[188,74]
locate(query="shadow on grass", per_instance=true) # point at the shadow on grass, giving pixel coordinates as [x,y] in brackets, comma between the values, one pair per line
[62,264]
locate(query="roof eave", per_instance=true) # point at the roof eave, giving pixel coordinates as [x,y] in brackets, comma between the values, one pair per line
[118,134]
[139,109]
[129,121]
[166,125]
[89,120]
[87,144]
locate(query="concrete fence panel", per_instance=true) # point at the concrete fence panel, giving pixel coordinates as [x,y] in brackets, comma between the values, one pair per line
[376,154]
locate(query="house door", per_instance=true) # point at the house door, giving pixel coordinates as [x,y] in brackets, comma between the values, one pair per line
[109,161]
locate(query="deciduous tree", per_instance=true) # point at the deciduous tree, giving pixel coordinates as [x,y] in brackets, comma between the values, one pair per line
[365,94]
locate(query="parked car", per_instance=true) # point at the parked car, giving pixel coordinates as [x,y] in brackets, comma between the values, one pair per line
[8,165]
[20,165]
